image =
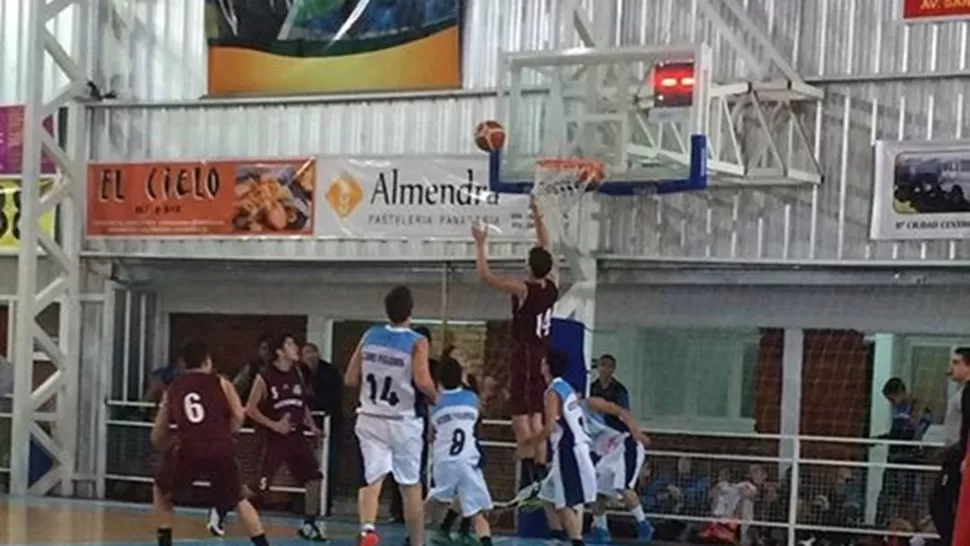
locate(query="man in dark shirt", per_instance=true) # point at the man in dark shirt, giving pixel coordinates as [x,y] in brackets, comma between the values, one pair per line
[956,423]
[910,421]
[326,384]
[608,388]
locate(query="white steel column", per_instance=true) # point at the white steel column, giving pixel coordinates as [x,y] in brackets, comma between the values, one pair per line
[792,363]
[578,302]
[58,393]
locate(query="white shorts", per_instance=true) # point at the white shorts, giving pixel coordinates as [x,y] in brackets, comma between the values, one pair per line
[461,481]
[571,482]
[390,446]
[619,469]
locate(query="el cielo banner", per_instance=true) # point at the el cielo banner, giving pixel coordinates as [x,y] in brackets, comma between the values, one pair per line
[273,47]
[199,198]
[921,190]
[927,11]
[413,197]
[10,213]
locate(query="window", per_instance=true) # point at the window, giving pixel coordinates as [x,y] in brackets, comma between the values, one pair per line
[687,379]
[925,362]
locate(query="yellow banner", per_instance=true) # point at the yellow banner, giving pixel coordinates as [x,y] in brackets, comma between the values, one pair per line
[10,214]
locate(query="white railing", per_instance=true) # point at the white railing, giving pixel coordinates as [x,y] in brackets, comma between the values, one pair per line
[127,475]
[795,480]
[802,488]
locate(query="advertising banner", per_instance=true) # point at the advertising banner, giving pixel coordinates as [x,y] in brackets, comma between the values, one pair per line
[10,214]
[415,198]
[921,190]
[198,198]
[270,47]
[12,142]
[928,11]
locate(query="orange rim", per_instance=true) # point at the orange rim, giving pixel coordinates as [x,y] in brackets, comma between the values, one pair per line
[560,163]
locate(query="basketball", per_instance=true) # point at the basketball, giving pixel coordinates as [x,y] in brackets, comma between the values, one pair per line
[489,136]
[592,175]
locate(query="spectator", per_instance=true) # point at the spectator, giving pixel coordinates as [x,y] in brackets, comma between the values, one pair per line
[245,377]
[676,493]
[608,388]
[494,398]
[326,384]
[956,423]
[734,504]
[910,421]
[839,505]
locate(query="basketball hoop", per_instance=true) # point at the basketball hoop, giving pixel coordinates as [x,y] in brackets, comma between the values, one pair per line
[560,185]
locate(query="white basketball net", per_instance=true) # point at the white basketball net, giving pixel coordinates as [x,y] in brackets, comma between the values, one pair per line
[560,185]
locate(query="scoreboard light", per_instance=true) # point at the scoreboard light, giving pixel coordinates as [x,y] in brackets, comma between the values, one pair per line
[673,84]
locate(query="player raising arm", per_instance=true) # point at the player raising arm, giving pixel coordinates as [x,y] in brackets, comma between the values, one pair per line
[390,361]
[532,301]
[206,412]
[571,482]
[621,454]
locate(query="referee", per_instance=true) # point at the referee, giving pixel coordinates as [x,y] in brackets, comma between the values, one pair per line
[946,491]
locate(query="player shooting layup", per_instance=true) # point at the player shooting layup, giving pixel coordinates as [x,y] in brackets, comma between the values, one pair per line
[389,362]
[206,411]
[532,301]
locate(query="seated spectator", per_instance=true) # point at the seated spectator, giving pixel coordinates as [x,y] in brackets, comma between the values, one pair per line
[678,492]
[733,504]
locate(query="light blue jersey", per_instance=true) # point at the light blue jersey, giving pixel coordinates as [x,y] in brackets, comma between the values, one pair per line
[387,388]
[571,481]
[455,455]
[604,438]
[454,418]
[570,427]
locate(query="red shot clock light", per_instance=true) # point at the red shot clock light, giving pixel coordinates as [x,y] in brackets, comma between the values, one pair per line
[673,84]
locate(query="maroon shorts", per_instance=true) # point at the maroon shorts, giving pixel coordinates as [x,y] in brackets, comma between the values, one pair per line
[296,452]
[527,387]
[180,467]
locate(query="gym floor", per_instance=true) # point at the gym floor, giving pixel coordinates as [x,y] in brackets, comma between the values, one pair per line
[54,521]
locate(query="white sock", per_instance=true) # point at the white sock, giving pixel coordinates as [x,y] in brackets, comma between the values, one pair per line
[366,527]
[638,514]
[600,521]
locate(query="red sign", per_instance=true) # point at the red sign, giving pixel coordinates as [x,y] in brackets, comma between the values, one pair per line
[924,10]
[246,197]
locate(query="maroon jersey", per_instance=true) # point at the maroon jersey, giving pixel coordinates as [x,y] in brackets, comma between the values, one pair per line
[198,406]
[532,318]
[285,395]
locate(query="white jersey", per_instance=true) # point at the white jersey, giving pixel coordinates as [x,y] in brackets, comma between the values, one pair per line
[604,438]
[454,418]
[387,374]
[570,427]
